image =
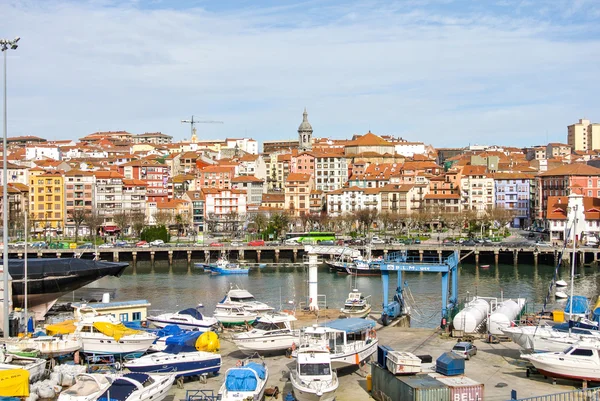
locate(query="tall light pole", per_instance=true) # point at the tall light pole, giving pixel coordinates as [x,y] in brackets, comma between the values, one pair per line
[5,44]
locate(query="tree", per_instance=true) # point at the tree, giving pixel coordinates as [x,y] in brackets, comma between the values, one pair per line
[79,217]
[138,221]
[93,220]
[279,222]
[502,216]
[452,220]
[162,218]
[180,223]
[366,217]
[386,219]
[231,221]
[305,220]
[260,222]
[122,220]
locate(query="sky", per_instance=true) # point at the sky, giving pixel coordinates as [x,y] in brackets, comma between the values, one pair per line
[443,72]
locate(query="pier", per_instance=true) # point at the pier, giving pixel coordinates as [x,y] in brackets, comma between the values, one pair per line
[480,254]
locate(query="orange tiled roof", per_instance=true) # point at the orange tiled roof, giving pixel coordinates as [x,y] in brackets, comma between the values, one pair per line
[301,177]
[572,169]
[369,139]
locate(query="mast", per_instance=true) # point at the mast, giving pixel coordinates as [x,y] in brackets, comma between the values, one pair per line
[25,267]
[573,260]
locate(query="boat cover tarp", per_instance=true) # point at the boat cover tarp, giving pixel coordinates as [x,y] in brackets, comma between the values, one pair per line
[169,330]
[195,313]
[184,342]
[208,341]
[351,325]
[260,370]
[596,314]
[580,304]
[14,383]
[241,379]
[51,267]
[121,389]
[116,331]
[66,327]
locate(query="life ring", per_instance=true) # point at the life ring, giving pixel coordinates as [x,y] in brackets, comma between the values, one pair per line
[373,333]
[238,363]
[293,347]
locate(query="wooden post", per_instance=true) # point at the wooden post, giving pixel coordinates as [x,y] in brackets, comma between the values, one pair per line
[134,256]
[58,255]
[420,255]
[258,255]
[535,257]
[115,256]
[515,257]
[294,255]
[276,255]
[189,257]
[439,252]
[496,256]
[170,253]
[476,257]
[152,257]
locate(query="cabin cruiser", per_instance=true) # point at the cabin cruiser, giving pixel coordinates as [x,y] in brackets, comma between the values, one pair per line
[35,366]
[87,387]
[104,334]
[187,319]
[313,379]
[245,382]
[233,314]
[241,297]
[183,355]
[579,362]
[138,387]
[363,267]
[546,338]
[356,305]
[47,346]
[349,341]
[223,266]
[270,332]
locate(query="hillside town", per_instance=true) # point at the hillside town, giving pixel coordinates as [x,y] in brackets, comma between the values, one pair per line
[117,183]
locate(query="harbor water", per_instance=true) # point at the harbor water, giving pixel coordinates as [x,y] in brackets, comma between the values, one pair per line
[282,285]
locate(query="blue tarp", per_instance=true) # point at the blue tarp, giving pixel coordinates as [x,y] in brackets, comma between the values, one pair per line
[169,330]
[351,325]
[185,342]
[240,379]
[580,304]
[195,313]
[260,370]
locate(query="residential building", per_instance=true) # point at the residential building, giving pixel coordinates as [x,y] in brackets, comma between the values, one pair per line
[155,174]
[253,188]
[297,193]
[317,201]
[24,140]
[402,199]
[369,143]
[42,151]
[109,197]
[196,202]
[246,145]
[353,199]
[513,192]
[15,174]
[447,202]
[134,195]
[47,203]
[554,149]
[583,135]
[275,201]
[156,138]
[217,176]
[409,149]
[477,189]
[224,209]
[280,145]
[79,195]
[18,203]
[561,210]
[330,171]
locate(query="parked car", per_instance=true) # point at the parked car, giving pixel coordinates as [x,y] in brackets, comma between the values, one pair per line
[257,242]
[39,245]
[464,349]
[237,243]
[469,242]
[121,244]
[377,241]
[216,244]
[327,242]
[87,245]
[157,242]
[448,242]
[142,244]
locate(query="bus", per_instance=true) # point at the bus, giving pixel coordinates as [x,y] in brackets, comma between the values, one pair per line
[312,237]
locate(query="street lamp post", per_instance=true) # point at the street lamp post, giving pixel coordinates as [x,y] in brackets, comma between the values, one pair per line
[5,44]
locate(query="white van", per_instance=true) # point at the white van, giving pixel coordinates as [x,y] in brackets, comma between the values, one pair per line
[591,241]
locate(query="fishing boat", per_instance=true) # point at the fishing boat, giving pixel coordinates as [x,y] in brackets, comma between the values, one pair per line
[240,297]
[104,334]
[35,366]
[578,362]
[87,387]
[349,341]
[247,381]
[313,378]
[138,387]
[270,333]
[48,346]
[356,305]
[233,314]
[187,319]
[181,356]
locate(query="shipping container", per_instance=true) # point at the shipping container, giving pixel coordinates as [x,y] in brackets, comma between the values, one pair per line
[387,387]
[462,388]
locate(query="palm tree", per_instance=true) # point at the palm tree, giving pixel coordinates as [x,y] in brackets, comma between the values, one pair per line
[280,222]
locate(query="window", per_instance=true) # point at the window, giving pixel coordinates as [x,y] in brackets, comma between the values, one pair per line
[582,352]
[124,317]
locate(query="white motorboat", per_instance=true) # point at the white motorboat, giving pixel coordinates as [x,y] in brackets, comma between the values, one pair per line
[578,362]
[548,338]
[87,387]
[241,297]
[187,319]
[313,379]
[233,314]
[561,295]
[356,305]
[104,334]
[35,366]
[349,341]
[270,332]
[138,387]
[561,283]
[245,382]
[48,346]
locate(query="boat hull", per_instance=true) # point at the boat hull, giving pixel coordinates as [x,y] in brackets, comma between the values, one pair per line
[36,367]
[303,392]
[562,369]
[219,270]
[353,358]
[182,364]
[49,346]
[104,345]
[360,314]
[234,321]
[250,345]
[356,271]
[184,326]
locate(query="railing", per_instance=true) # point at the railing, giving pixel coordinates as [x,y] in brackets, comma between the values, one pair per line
[577,395]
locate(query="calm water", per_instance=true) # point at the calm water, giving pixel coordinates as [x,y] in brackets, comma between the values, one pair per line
[179,288]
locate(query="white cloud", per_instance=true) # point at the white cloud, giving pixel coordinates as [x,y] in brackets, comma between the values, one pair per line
[447,79]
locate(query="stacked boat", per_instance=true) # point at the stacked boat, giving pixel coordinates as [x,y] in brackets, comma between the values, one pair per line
[270,333]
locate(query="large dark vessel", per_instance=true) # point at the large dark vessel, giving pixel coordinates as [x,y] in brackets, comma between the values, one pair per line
[48,279]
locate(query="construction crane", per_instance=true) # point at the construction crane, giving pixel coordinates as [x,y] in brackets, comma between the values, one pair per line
[193,123]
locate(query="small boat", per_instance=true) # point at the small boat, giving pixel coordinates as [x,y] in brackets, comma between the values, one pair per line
[561,295]
[270,333]
[561,283]
[181,356]
[362,267]
[233,314]
[245,382]
[138,387]
[551,338]
[313,379]
[356,305]
[104,334]
[350,341]
[35,366]
[241,297]
[47,346]
[484,266]
[87,387]
[187,319]
[224,266]
[578,362]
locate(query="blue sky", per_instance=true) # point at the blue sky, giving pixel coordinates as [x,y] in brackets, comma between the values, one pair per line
[448,73]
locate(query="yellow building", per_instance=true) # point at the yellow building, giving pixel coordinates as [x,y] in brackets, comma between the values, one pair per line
[584,135]
[47,202]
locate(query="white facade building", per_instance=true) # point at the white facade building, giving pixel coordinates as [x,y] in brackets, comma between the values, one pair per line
[38,152]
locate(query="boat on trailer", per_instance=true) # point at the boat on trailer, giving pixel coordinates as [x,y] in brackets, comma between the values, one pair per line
[313,378]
